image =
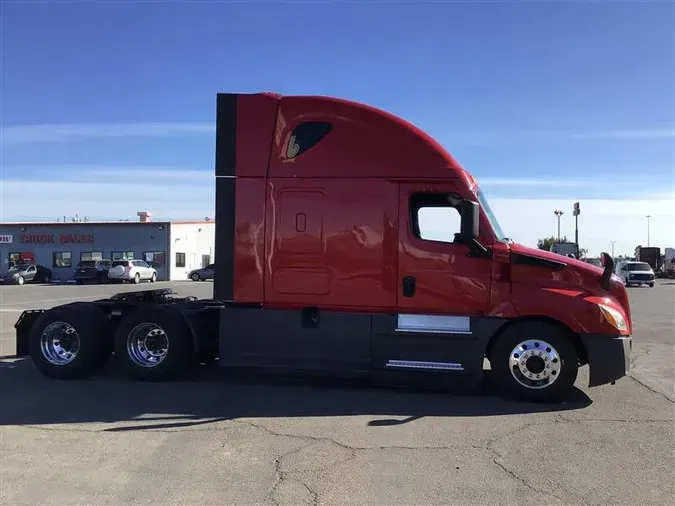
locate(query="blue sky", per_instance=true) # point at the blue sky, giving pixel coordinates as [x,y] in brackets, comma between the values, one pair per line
[550,101]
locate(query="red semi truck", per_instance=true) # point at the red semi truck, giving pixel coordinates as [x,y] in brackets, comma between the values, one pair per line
[323,269]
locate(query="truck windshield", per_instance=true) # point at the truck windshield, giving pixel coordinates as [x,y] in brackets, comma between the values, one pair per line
[491,216]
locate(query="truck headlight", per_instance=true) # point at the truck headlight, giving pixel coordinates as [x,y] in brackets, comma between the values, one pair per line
[614,318]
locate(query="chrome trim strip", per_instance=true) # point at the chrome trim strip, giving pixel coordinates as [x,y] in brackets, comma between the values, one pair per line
[438,324]
[415,364]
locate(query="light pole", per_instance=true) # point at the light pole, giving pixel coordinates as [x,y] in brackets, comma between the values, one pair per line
[558,214]
[612,242]
[648,216]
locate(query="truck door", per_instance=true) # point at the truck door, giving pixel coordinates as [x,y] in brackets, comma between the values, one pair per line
[442,291]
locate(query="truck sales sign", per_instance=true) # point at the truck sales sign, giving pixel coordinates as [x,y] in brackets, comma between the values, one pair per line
[52,239]
[6,239]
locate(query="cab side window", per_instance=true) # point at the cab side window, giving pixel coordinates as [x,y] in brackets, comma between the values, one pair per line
[435,217]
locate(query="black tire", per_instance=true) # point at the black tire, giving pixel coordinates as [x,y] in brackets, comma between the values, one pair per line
[137,278]
[180,353]
[92,330]
[541,334]
[153,278]
[195,277]
[20,280]
[651,285]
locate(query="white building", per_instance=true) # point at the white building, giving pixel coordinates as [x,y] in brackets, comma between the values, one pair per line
[172,248]
[192,244]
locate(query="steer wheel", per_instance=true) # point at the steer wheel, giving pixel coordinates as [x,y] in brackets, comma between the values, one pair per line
[534,361]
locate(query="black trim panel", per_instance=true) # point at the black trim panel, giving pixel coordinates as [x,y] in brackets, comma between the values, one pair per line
[608,357]
[333,344]
[226,143]
[465,351]
[223,282]
[532,261]
[226,134]
[329,343]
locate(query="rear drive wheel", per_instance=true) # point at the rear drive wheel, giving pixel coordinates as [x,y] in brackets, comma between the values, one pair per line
[20,280]
[534,361]
[195,277]
[154,343]
[70,341]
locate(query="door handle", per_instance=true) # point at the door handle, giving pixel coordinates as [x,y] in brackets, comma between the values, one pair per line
[408,283]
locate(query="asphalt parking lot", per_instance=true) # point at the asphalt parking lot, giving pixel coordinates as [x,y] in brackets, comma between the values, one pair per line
[215,440]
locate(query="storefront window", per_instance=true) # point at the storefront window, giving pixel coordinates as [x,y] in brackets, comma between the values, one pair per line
[91,255]
[155,258]
[180,259]
[122,255]
[14,259]
[62,259]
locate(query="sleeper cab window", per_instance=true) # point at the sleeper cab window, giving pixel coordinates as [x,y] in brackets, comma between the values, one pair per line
[434,217]
[305,136]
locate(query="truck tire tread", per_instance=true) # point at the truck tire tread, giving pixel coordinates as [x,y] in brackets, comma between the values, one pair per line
[94,339]
[180,356]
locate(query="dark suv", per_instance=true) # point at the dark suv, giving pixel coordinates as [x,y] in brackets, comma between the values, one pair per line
[95,271]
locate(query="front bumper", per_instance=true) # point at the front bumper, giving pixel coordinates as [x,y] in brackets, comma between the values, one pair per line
[608,357]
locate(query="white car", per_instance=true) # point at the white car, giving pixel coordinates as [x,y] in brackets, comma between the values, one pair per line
[134,271]
[635,273]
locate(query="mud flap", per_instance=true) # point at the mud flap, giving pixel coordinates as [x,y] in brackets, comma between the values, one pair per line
[23,326]
[608,358]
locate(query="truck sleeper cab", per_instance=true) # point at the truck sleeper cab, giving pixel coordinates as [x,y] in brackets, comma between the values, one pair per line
[327,267]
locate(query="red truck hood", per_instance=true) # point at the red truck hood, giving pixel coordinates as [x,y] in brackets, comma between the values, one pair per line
[578,276]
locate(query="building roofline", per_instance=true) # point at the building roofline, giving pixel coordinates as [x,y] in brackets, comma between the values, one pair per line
[97,223]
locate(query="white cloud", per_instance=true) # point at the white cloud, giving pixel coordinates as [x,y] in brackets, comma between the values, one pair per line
[652,133]
[114,193]
[63,132]
[488,181]
[68,132]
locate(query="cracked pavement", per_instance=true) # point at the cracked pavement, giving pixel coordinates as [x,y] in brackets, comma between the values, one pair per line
[215,440]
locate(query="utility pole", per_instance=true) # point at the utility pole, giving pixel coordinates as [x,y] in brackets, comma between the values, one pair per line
[558,213]
[648,217]
[612,247]
[576,212]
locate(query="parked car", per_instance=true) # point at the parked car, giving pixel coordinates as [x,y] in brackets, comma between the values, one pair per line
[635,273]
[133,271]
[208,272]
[92,270]
[26,273]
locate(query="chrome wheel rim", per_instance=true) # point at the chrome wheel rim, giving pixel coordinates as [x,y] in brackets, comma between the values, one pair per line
[59,343]
[147,345]
[535,364]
